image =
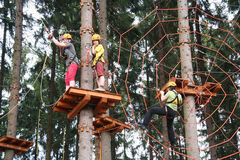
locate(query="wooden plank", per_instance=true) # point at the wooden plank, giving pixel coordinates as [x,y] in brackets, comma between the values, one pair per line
[181,82]
[119,129]
[56,109]
[105,128]
[79,106]
[18,152]
[64,105]
[2,139]
[82,92]
[69,97]
[98,123]
[14,147]
[117,122]
[100,106]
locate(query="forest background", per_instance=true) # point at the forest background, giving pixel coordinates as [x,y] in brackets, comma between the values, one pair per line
[64,16]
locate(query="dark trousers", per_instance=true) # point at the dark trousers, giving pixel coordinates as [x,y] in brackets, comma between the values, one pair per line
[162,112]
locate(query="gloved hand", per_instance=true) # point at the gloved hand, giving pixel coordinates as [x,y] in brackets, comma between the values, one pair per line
[50,36]
[162,93]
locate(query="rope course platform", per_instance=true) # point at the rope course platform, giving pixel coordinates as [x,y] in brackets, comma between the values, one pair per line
[108,124]
[18,145]
[75,99]
[208,90]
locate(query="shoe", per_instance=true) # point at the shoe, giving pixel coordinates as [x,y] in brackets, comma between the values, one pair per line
[100,89]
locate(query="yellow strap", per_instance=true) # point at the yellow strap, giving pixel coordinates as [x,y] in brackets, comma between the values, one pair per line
[37,131]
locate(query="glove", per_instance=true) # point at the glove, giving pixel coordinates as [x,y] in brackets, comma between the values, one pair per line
[161,92]
[50,36]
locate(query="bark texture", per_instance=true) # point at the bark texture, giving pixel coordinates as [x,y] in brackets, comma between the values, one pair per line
[187,72]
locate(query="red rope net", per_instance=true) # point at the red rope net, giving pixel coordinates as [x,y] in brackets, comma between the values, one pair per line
[218,52]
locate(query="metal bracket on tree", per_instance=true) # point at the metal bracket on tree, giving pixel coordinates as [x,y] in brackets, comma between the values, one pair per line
[86,2]
[87,127]
[85,29]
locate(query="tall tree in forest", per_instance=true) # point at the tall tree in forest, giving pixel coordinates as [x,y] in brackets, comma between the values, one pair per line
[86,114]
[105,136]
[50,111]
[8,25]
[3,49]
[187,72]
[15,85]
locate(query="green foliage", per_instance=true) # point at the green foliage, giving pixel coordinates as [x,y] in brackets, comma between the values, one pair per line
[131,77]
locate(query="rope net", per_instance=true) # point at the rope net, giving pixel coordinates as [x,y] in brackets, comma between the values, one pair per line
[215,54]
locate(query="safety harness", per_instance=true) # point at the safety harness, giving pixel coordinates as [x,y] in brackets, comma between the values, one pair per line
[176,98]
[64,57]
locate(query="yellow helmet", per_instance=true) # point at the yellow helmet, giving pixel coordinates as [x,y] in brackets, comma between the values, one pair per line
[96,37]
[67,36]
[172,84]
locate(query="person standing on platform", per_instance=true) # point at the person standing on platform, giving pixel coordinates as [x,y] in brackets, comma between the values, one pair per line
[98,61]
[67,51]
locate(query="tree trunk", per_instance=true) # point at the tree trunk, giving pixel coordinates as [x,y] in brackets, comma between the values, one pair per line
[162,80]
[211,140]
[3,51]
[50,111]
[105,136]
[86,115]
[67,139]
[149,104]
[187,72]
[77,141]
[15,86]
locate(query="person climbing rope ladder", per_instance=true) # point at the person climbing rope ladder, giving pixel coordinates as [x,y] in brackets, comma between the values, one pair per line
[172,99]
[67,51]
[98,61]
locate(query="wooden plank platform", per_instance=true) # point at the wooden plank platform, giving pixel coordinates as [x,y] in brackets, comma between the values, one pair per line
[206,91]
[108,124]
[75,99]
[18,145]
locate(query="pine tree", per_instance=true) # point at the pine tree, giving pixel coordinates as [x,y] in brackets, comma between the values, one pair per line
[15,86]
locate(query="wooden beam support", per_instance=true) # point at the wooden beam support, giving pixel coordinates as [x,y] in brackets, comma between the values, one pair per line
[119,129]
[55,109]
[69,97]
[3,139]
[64,105]
[79,106]
[13,147]
[117,122]
[209,89]
[105,128]
[108,124]
[74,99]
[100,106]
[94,94]
[18,145]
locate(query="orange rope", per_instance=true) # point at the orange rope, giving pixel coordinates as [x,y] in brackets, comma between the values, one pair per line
[134,50]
